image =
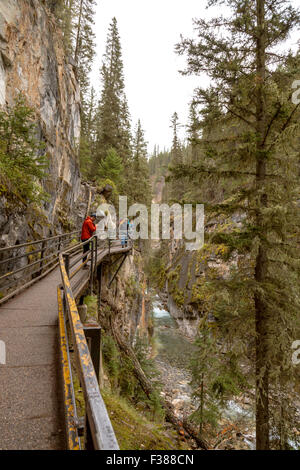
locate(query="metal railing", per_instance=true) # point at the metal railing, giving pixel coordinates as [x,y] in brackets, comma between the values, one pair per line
[97,428]
[37,259]
[24,264]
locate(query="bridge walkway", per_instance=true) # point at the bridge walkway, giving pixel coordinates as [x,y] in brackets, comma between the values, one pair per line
[31,408]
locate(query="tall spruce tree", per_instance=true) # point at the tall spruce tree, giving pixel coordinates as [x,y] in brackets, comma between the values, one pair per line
[84,42]
[139,177]
[193,132]
[88,134]
[176,190]
[113,116]
[250,141]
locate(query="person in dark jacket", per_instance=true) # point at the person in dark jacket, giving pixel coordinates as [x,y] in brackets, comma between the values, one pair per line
[88,229]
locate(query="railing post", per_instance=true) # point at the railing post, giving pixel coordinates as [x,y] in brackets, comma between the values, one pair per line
[89,444]
[59,245]
[99,282]
[109,260]
[92,267]
[96,253]
[42,257]
[93,336]
[67,263]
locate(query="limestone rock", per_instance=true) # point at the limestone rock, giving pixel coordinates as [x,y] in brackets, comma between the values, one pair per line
[33,62]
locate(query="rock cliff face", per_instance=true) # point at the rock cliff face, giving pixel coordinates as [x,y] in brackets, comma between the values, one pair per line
[32,62]
[125,304]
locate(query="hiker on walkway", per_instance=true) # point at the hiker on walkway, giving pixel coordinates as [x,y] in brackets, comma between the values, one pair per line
[123,231]
[88,229]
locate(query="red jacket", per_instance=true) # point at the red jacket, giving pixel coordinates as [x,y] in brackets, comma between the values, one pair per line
[88,228]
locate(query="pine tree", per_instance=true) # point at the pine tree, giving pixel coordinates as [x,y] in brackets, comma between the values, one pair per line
[176,190]
[111,167]
[139,177]
[23,163]
[84,42]
[88,134]
[113,115]
[250,131]
[64,10]
[193,133]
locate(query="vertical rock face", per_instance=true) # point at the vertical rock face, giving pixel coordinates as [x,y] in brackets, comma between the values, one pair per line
[33,62]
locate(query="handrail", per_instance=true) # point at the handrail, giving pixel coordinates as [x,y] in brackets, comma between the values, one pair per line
[71,418]
[38,241]
[100,428]
[45,258]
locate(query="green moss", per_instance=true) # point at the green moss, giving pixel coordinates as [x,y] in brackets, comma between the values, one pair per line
[133,431]
[132,288]
[173,281]
[79,397]
[92,306]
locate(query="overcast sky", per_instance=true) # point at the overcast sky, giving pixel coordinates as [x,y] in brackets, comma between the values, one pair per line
[149,30]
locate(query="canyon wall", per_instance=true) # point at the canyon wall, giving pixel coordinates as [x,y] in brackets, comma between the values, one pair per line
[33,63]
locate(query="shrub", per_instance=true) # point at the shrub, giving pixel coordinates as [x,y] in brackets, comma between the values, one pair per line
[22,160]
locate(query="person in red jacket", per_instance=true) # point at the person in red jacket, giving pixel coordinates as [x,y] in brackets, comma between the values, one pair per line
[88,229]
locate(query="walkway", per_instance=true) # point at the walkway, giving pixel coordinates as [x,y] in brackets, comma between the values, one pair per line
[31,415]
[31,408]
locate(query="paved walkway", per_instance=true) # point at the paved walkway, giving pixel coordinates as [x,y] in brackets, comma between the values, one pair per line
[31,412]
[31,408]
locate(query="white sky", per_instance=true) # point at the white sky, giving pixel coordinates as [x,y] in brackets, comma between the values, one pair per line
[149,30]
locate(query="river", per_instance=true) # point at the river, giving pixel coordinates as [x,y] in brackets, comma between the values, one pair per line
[172,352]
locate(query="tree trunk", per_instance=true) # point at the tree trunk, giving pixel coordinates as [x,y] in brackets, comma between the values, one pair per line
[261,315]
[148,389]
[78,33]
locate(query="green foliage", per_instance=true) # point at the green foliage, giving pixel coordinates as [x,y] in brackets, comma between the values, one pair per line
[121,375]
[216,376]
[22,161]
[113,126]
[132,288]
[133,430]
[111,358]
[92,306]
[246,165]
[155,269]
[138,188]
[111,167]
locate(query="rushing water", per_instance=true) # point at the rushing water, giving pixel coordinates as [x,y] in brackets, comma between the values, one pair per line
[173,352]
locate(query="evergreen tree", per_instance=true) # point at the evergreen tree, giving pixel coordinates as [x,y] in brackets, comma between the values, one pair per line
[84,42]
[193,133]
[88,135]
[113,115]
[23,163]
[250,132]
[111,167]
[64,10]
[176,190]
[139,178]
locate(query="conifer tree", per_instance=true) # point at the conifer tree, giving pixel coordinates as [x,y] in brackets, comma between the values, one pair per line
[84,41]
[250,131]
[139,178]
[111,167]
[193,132]
[113,115]
[176,190]
[88,134]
